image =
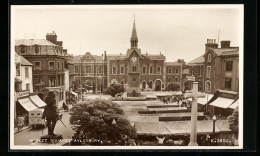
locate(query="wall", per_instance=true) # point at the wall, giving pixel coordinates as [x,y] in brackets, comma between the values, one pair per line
[26,80]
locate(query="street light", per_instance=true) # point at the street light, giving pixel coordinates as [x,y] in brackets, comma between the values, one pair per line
[100,86]
[214,118]
[113,122]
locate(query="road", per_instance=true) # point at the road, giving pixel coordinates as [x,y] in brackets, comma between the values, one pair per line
[26,137]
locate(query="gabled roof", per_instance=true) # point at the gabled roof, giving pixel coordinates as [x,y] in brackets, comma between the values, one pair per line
[30,42]
[224,51]
[197,60]
[175,63]
[22,60]
[77,58]
[154,57]
[221,51]
[116,57]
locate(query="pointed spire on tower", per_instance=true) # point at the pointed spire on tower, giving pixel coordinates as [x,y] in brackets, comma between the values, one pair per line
[134,34]
[134,38]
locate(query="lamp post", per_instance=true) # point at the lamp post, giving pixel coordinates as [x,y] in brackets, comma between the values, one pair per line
[214,118]
[100,86]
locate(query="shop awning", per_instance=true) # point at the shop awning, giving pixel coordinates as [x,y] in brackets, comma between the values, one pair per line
[167,108]
[37,101]
[27,104]
[18,80]
[173,114]
[138,118]
[234,105]
[204,100]
[180,127]
[221,102]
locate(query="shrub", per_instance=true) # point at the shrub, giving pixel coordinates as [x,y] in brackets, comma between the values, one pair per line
[173,86]
[233,121]
[114,89]
[96,116]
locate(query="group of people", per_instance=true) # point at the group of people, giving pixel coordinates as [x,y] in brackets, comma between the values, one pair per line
[22,120]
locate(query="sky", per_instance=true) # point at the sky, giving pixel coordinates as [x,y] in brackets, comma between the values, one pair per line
[178,32]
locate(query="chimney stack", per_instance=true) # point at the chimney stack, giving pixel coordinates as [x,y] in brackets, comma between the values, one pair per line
[211,43]
[52,37]
[105,55]
[225,44]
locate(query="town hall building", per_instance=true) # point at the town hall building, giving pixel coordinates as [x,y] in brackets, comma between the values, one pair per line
[137,71]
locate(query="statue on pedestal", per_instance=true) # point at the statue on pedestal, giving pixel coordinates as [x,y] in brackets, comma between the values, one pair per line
[51,114]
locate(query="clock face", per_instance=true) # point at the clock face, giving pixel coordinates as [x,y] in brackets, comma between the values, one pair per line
[134,59]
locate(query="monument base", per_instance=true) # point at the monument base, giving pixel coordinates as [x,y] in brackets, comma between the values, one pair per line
[193,144]
[51,138]
[133,91]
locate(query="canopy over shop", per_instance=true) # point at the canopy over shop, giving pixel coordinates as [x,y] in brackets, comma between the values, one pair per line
[28,104]
[179,127]
[220,106]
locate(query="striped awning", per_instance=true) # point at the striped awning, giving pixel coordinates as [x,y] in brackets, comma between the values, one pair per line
[222,102]
[37,101]
[234,105]
[27,104]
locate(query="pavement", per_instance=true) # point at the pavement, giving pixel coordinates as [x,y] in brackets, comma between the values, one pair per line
[31,136]
[24,128]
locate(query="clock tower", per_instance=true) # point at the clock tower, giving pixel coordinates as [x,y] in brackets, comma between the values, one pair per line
[133,88]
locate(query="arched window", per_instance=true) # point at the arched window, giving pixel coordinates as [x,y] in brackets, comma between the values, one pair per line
[144,69]
[150,69]
[134,68]
[158,70]
[207,86]
[169,71]
[209,58]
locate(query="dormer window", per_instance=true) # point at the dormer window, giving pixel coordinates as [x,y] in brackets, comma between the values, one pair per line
[36,49]
[22,49]
[209,58]
[88,57]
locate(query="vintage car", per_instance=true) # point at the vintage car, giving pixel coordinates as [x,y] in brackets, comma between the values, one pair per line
[35,118]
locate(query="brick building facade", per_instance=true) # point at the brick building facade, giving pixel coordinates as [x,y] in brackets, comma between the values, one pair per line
[217,68]
[136,70]
[48,58]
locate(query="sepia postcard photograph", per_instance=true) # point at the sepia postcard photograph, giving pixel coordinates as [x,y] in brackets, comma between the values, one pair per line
[111,77]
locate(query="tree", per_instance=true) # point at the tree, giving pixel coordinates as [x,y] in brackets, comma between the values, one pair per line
[50,99]
[173,86]
[233,120]
[96,117]
[114,89]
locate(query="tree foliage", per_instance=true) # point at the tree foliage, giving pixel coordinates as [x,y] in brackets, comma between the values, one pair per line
[114,89]
[173,86]
[96,116]
[50,99]
[233,120]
